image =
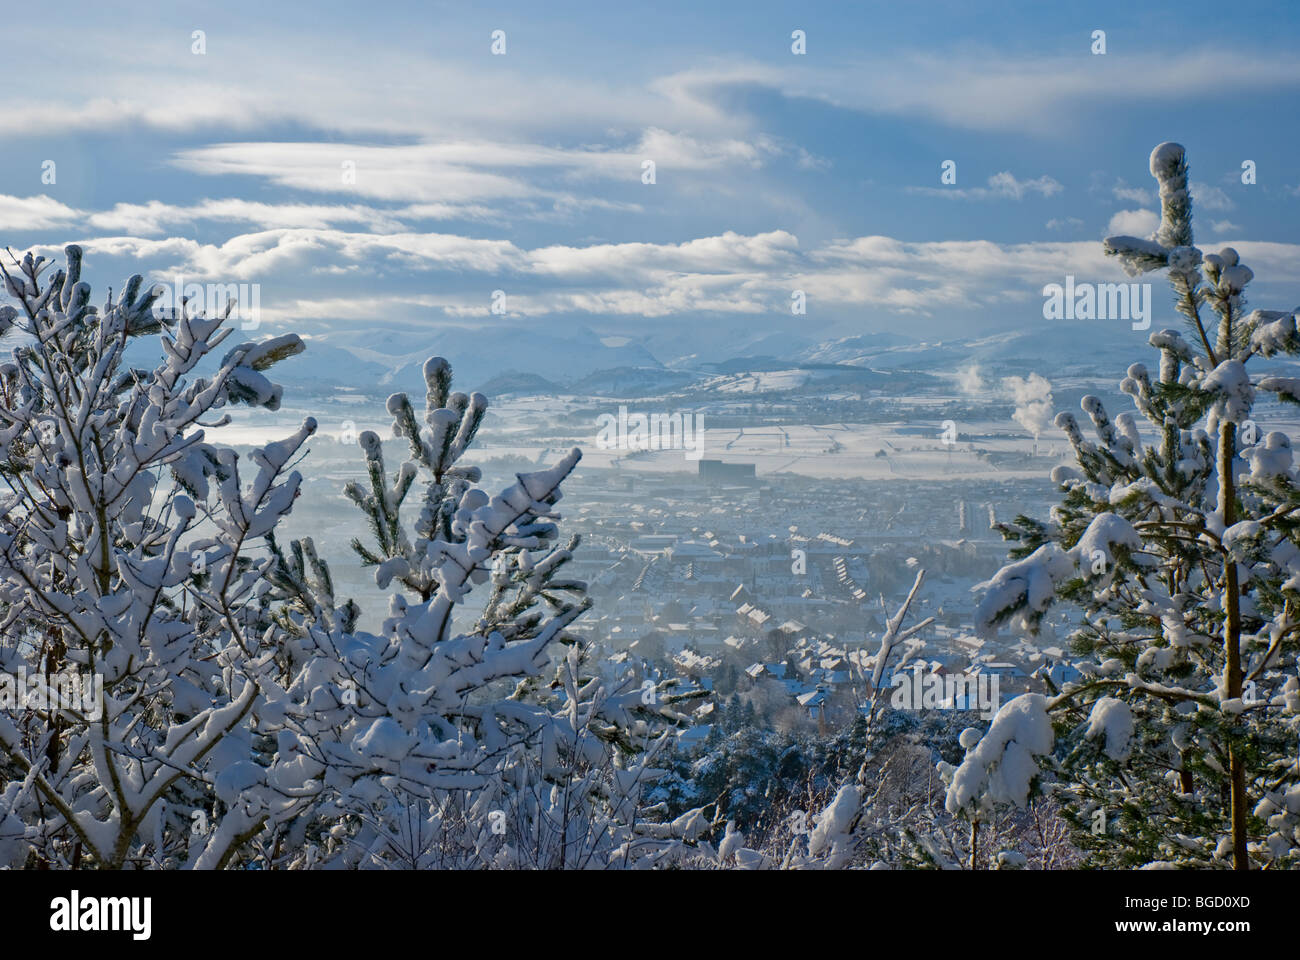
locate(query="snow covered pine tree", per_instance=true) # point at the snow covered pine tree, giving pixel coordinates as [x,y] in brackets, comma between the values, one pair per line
[128,558]
[449,749]
[1177,747]
[244,718]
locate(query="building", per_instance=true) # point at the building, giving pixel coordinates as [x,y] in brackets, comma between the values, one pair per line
[717,470]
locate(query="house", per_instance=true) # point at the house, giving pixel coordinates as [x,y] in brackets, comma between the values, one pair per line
[813,699]
[815,703]
[1058,673]
[766,671]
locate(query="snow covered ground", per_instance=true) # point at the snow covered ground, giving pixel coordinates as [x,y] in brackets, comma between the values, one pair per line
[541,429]
[866,450]
[869,451]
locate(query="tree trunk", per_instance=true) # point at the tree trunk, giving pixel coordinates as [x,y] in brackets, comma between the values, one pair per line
[1232,644]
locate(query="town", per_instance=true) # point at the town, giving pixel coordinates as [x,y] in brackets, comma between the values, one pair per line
[777,590]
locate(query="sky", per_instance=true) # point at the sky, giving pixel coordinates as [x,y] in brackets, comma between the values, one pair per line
[523,171]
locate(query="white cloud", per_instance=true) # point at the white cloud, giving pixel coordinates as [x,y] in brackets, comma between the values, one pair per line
[293,77]
[1122,191]
[744,274]
[1001,186]
[420,173]
[35,213]
[468,172]
[1210,198]
[153,217]
[983,91]
[1133,223]
[414,95]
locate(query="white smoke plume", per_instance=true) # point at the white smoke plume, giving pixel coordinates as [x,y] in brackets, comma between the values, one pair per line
[1033,396]
[969,380]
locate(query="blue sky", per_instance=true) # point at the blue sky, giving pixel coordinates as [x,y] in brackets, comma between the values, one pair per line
[522,172]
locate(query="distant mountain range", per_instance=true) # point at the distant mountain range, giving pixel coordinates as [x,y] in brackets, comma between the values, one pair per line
[508,361]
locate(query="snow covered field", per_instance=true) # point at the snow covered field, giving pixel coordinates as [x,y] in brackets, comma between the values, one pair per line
[541,430]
